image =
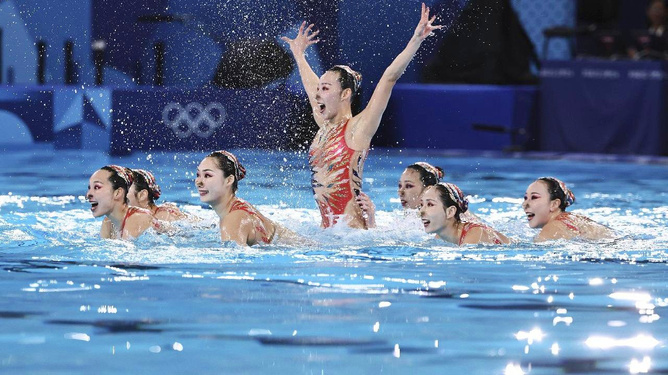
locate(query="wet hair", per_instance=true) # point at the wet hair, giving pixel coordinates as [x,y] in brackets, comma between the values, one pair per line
[558,190]
[350,79]
[429,174]
[144,180]
[121,177]
[229,164]
[451,195]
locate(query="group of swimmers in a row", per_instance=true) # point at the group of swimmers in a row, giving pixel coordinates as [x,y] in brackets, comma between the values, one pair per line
[127,199]
[336,159]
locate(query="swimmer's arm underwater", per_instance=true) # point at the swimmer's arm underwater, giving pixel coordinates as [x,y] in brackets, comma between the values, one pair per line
[305,37]
[369,119]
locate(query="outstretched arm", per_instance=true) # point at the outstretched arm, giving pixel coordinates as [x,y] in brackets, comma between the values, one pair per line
[305,37]
[369,118]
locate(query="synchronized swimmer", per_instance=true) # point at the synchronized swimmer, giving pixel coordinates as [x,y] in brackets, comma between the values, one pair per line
[107,194]
[126,198]
[545,203]
[217,181]
[342,142]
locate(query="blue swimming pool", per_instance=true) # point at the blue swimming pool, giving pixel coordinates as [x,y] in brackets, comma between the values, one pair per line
[389,300]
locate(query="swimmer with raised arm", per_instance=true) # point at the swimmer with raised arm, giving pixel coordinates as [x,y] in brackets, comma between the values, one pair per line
[107,194]
[217,177]
[441,208]
[340,147]
[144,191]
[545,203]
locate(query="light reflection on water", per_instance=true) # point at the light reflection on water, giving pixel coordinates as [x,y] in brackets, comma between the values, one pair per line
[389,300]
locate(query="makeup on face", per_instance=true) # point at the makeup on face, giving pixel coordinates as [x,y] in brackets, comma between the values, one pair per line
[410,188]
[100,193]
[536,204]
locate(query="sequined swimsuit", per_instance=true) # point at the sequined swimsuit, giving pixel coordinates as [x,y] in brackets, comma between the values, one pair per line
[567,220]
[242,205]
[468,226]
[336,171]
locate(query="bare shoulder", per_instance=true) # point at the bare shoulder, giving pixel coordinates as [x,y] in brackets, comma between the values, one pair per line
[480,234]
[143,216]
[235,219]
[591,229]
[474,235]
[137,223]
[555,230]
[170,212]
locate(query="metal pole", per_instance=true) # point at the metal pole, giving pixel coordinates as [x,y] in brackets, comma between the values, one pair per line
[41,62]
[159,50]
[1,66]
[69,63]
[98,47]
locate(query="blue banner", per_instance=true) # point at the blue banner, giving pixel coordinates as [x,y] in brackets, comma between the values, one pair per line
[601,106]
[203,119]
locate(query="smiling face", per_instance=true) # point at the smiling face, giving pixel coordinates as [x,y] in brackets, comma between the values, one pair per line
[211,182]
[410,188]
[101,194]
[537,204]
[330,95]
[434,217]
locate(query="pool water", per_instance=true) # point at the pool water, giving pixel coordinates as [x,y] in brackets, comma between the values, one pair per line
[388,300]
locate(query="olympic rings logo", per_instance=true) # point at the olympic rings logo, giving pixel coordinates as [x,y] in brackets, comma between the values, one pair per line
[194,118]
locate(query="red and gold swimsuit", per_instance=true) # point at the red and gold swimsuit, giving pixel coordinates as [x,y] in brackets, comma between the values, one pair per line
[336,172]
[170,209]
[131,211]
[468,226]
[568,221]
[242,205]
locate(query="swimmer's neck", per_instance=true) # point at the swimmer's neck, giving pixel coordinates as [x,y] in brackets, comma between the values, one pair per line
[222,206]
[554,215]
[117,215]
[153,208]
[340,118]
[451,233]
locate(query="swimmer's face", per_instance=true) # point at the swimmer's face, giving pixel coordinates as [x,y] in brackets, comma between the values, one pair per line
[537,204]
[410,188]
[101,193]
[432,212]
[329,95]
[211,182]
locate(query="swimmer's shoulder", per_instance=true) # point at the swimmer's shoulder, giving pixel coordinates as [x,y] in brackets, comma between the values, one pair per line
[480,233]
[139,221]
[555,230]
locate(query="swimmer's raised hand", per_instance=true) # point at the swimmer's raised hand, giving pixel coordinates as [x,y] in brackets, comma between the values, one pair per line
[305,37]
[425,27]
